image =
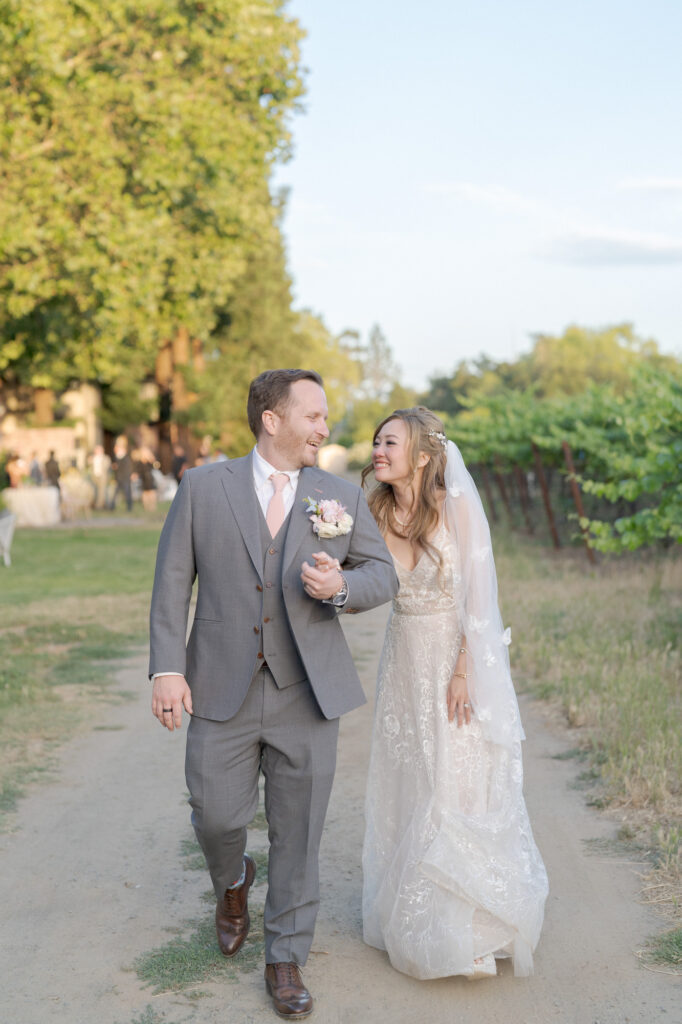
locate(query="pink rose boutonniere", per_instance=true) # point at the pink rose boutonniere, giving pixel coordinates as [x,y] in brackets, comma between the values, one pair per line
[329,517]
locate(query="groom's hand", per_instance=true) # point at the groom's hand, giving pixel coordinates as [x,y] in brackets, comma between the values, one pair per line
[170,694]
[323,580]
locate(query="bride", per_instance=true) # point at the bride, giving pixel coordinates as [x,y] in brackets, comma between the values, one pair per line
[453,879]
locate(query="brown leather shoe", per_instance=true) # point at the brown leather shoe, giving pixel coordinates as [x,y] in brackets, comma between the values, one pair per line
[232,913]
[290,998]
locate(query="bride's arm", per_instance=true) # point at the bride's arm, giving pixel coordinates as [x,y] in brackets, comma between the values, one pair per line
[457,697]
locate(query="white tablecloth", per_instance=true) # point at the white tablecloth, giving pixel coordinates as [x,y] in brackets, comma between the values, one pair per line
[33,506]
[7,524]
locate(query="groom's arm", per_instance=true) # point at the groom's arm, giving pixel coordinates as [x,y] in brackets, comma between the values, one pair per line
[173,580]
[368,566]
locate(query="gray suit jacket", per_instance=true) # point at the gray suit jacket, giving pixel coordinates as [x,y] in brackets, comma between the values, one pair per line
[213,531]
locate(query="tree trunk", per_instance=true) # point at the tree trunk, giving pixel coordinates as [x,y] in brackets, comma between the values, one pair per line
[542,480]
[577,498]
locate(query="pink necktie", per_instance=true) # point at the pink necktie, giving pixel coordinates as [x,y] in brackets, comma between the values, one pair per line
[275,516]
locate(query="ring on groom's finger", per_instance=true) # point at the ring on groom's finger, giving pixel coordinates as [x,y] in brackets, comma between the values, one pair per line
[167,711]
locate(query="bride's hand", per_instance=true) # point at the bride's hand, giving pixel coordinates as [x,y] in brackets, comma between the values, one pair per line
[459,705]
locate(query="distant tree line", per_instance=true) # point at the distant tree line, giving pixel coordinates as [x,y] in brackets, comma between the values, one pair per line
[592,420]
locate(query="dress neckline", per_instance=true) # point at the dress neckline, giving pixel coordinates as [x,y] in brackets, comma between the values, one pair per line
[417,563]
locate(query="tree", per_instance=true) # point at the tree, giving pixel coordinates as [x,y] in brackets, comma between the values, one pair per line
[135,154]
[643,467]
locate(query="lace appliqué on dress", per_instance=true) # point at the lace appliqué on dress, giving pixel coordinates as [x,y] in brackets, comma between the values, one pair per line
[451,870]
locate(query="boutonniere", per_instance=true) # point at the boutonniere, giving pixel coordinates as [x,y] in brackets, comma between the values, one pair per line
[329,517]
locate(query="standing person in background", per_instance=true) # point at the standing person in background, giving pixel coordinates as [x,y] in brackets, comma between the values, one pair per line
[122,466]
[100,468]
[144,462]
[35,471]
[179,463]
[52,471]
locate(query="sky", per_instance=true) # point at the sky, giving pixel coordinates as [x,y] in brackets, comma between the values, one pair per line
[467,175]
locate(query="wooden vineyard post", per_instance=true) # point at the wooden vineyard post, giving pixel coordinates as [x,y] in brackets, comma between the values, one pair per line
[522,486]
[499,480]
[542,480]
[575,490]
[488,493]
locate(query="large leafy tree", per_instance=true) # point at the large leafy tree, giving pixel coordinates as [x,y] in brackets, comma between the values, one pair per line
[135,151]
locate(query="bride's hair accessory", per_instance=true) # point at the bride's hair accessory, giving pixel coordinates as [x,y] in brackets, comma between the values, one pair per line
[440,437]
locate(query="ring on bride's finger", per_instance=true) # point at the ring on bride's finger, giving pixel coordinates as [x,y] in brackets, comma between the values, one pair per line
[466,705]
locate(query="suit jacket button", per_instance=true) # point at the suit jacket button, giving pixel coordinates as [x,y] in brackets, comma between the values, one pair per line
[266,619]
[256,629]
[272,551]
[260,654]
[268,585]
[259,588]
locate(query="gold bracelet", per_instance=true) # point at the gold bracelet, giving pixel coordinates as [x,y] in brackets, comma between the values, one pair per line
[462,675]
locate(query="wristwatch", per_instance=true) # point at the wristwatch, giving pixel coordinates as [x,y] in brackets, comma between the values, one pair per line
[341,596]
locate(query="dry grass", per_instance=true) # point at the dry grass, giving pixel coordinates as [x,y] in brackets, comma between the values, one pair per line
[604,645]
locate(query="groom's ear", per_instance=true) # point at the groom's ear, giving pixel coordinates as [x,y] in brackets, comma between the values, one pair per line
[269,421]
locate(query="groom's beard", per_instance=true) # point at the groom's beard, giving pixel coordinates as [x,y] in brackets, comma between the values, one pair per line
[296,451]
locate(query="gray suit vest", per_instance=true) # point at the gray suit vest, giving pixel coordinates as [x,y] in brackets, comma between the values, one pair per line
[277,644]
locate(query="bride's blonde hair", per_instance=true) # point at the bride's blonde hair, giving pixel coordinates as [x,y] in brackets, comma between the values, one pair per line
[425,433]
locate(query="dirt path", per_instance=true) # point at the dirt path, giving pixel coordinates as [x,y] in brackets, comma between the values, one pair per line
[92,876]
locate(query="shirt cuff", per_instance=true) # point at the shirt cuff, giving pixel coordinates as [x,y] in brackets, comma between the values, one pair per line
[165,674]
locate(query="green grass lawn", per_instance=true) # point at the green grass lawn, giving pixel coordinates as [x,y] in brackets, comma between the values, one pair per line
[79,562]
[73,602]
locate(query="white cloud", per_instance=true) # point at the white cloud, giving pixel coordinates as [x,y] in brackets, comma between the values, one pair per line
[497,196]
[611,248]
[670,186]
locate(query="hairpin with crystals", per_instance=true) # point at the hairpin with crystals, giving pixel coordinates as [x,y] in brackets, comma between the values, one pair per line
[440,436]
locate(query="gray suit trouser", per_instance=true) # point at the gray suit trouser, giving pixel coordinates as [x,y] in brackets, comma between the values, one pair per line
[284,734]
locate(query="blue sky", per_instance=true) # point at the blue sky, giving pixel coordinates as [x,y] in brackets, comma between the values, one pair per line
[468,174]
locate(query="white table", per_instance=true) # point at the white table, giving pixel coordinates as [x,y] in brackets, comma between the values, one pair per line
[7,524]
[33,506]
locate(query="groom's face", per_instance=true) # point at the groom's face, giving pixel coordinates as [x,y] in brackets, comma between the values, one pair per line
[302,426]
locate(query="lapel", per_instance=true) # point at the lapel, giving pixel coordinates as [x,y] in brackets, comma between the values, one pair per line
[237,481]
[310,483]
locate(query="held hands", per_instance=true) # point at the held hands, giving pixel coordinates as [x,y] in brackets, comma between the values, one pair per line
[322,580]
[170,694]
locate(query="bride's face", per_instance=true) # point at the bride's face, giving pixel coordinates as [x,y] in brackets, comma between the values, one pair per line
[390,456]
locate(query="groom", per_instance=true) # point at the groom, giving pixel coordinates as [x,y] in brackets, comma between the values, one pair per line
[266,672]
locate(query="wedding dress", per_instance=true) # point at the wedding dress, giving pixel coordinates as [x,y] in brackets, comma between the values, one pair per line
[451,870]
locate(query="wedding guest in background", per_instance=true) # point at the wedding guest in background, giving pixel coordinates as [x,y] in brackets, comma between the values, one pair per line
[204,453]
[179,463]
[15,467]
[144,462]
[35,470]
[52,470]
[123,469]
[100,468]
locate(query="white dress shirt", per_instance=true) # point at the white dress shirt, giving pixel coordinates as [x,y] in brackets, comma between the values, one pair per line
[262,471]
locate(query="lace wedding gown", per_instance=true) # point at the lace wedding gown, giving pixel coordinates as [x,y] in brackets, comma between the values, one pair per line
[451,870]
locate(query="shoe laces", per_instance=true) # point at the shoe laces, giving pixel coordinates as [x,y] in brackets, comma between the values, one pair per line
[290,972]
[231,901]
